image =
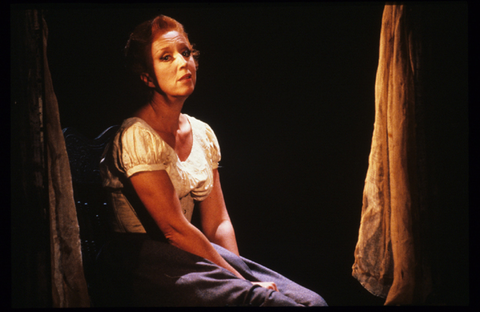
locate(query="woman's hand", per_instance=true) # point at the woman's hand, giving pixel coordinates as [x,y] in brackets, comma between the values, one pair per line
[267,285]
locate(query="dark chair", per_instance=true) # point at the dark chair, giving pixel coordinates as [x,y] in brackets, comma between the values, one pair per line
[90,198]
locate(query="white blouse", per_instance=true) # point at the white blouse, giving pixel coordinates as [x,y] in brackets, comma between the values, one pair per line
[137,147]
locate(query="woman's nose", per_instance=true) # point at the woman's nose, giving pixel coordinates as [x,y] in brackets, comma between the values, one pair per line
[182,60]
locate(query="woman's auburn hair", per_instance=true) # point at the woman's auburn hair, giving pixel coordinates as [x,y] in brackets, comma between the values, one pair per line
[138,48]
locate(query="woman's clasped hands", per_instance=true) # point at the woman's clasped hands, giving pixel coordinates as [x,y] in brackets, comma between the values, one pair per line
[267,285]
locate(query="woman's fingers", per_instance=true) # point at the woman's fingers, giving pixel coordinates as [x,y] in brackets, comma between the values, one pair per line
[268,285]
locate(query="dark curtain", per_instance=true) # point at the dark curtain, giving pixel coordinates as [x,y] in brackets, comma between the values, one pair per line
[46,256]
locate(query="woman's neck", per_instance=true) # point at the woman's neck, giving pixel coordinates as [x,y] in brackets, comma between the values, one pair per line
[163,114]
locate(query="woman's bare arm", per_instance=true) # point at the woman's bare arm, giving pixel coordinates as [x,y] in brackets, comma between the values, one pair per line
[215,220]
[159,197]
[216,223]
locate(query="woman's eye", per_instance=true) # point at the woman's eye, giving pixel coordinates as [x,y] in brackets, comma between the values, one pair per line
[186,53]
[165,58]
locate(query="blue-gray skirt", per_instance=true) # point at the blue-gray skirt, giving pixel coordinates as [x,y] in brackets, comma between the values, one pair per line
[135,270]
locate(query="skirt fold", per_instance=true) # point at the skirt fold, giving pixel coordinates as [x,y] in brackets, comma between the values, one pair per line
[134,270]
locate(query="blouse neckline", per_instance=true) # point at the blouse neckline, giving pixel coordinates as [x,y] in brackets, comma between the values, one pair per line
[171,148]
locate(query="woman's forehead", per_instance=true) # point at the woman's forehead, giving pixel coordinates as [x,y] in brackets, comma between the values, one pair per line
[169,38]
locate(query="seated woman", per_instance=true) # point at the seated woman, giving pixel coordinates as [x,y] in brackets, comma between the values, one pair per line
[159,164]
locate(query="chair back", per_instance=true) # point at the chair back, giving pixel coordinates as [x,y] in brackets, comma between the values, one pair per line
[84,155]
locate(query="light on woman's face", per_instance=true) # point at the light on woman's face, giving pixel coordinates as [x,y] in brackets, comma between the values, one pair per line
[173,64]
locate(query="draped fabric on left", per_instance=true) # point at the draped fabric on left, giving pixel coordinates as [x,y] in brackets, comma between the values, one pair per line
[69,288]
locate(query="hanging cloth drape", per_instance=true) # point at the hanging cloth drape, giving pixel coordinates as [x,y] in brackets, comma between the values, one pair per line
[388,257]
[47,265]
[69,288]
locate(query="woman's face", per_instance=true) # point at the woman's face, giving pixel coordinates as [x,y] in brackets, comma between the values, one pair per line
[173,64]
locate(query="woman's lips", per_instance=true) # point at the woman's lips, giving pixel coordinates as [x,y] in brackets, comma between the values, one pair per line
[185,77]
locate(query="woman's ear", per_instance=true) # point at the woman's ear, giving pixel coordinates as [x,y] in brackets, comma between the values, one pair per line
[147,80]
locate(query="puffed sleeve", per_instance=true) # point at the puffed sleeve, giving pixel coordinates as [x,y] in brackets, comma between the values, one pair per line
[139,149]
[213,148]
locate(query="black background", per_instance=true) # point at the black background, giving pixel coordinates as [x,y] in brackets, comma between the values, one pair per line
[289,92]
